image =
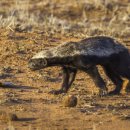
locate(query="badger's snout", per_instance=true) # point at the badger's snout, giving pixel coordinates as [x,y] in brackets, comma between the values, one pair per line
[31,64]
[36,64]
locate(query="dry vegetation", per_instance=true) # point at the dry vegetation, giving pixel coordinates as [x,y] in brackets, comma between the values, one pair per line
[78,18]
[27,26]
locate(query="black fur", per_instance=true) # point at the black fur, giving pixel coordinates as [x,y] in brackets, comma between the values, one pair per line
[85,55]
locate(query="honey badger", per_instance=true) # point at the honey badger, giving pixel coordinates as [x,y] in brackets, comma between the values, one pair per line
[85,55]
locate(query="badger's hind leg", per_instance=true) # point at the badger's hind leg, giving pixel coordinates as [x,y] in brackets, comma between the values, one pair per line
[115,78]
[125,74]
[120,67]
[68,78]
[99,82]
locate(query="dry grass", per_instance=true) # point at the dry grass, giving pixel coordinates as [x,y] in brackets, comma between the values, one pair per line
[74,18]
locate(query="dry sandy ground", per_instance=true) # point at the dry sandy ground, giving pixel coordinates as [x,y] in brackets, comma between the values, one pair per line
[35,108]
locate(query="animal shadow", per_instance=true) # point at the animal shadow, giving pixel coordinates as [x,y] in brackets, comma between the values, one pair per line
[26,119]
[4,76]
[13,86]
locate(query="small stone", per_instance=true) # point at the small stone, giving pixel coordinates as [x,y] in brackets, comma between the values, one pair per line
[70,101]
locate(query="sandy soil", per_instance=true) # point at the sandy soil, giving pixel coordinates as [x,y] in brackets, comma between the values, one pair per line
[36,109]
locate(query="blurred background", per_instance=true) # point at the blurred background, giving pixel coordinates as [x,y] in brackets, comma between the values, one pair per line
[77,18]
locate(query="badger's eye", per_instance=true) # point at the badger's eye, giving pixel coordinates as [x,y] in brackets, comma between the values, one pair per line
[40,61]
[43,61]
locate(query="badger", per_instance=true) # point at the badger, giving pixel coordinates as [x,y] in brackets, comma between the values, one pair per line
[85,55]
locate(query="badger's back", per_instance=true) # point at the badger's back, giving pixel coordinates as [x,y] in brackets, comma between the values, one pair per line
[94,46]
[100,46]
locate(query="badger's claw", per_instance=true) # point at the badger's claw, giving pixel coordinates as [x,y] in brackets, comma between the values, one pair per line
[56,92]
[103,92]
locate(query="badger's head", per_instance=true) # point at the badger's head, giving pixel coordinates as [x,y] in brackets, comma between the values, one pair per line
[36,64]
[40,60]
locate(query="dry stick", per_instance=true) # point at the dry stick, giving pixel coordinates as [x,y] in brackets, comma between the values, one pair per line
[11,29]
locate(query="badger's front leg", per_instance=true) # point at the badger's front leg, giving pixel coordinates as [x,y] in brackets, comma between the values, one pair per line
[68,78]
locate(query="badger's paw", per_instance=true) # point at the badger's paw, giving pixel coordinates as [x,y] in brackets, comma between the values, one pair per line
[101,92]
